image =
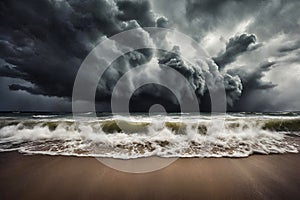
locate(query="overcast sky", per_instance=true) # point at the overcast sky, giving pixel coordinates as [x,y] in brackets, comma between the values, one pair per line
[253,45]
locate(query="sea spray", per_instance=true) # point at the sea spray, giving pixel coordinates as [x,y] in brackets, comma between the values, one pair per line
[143,136]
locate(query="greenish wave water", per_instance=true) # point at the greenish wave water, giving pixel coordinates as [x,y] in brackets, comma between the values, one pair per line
[126,137]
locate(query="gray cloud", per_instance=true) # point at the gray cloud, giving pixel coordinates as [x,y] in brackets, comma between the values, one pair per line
[236,46]
[252,82]
[45,42]
[42,44]
[207,16]
[205,73]
[162,22]
[276,17]
[290,46]
[23,101]
[136,10]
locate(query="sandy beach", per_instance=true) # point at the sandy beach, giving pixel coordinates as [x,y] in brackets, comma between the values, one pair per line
[60,177]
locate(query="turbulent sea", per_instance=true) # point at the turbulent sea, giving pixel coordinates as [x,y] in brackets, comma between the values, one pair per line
[141,135]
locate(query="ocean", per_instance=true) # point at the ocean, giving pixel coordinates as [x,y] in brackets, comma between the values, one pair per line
[140,135]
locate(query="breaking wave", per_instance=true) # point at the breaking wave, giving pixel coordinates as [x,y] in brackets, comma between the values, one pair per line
[134,137]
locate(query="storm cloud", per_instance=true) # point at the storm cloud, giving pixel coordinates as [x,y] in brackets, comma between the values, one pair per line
[236,46]
[43,43]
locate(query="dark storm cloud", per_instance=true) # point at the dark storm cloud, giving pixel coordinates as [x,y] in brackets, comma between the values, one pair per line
[267,20]
[138,10]
[236,46]
[162,22]
[195,76]
[252,82]
[23,101]
[44,42]
[205,73]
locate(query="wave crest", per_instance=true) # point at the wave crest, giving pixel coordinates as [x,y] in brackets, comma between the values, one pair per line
[121,138]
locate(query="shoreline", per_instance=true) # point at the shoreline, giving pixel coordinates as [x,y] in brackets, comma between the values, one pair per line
[65,177]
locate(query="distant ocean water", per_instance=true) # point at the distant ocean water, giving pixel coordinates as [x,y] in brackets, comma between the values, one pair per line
[141,135]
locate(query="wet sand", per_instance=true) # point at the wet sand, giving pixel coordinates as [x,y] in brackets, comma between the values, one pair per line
[58,177]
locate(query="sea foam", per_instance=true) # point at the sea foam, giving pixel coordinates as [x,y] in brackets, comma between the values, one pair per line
[140,136]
